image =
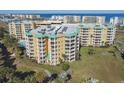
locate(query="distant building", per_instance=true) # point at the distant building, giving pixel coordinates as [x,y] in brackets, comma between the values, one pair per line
[57,18]
[97,34]
[93,19]
[72,19]
[50,44]
[6,18]
[117,20]
[26,16]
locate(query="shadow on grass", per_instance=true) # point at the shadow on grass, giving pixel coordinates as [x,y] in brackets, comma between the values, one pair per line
[23,75]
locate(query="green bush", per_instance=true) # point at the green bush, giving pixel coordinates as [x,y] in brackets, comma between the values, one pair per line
[65,66]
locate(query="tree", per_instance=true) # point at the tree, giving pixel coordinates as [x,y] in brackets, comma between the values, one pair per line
[2,30]
[60,60]
[39,76]
[6,74]
[30,79]
[102,43]
[15,80]
[91,36]
[64,57]
[91,51]
[77,55]
[107,44]
[65,66]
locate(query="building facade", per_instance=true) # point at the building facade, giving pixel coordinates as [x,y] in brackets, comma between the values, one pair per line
[71,19]
[97,34]
[93,19]
[117,20]
[26,16]
[57,18]
[18,29]
[53,43]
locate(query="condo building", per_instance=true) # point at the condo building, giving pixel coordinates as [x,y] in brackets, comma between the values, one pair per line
[93,19]
[26,16]
[56,18]
[18,28]
[117,20]
[97,34]
[51,43]
[71,19]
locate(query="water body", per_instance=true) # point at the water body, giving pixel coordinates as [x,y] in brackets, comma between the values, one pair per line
[48,13]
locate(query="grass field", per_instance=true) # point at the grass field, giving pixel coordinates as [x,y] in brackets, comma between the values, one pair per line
[120,36]
[26,65]
[102,65]
[105,64]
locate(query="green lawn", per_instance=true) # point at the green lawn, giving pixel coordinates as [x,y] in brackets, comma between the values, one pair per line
[120,36]
[25,64]
[102,66]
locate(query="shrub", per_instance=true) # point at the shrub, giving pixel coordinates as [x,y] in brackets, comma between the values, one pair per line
[65,66]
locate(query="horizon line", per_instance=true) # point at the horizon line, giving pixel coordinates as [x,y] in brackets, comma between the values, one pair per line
[61,11]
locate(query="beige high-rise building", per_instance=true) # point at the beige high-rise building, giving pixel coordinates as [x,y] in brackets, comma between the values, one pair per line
[26,16]
[93,19]
[53,43]
[97,34]
[72,19]
[117,20]
[18,29]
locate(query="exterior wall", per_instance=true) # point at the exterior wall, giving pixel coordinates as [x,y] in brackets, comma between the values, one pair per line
[72,19]
[18,29]
[12,29]
[71,47]
[97,36]
[26,27]
[104,36]
[117,20]
[93,19]
[60,47]
[53,51]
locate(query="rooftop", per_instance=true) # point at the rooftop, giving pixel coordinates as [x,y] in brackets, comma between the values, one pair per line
[96,25]
[54,30]
[19,22]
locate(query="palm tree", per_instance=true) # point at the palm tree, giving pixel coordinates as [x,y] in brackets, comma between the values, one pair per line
[102,43]
[60,60]
[64,57]
[77,55]
[107,44]
[91,36]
